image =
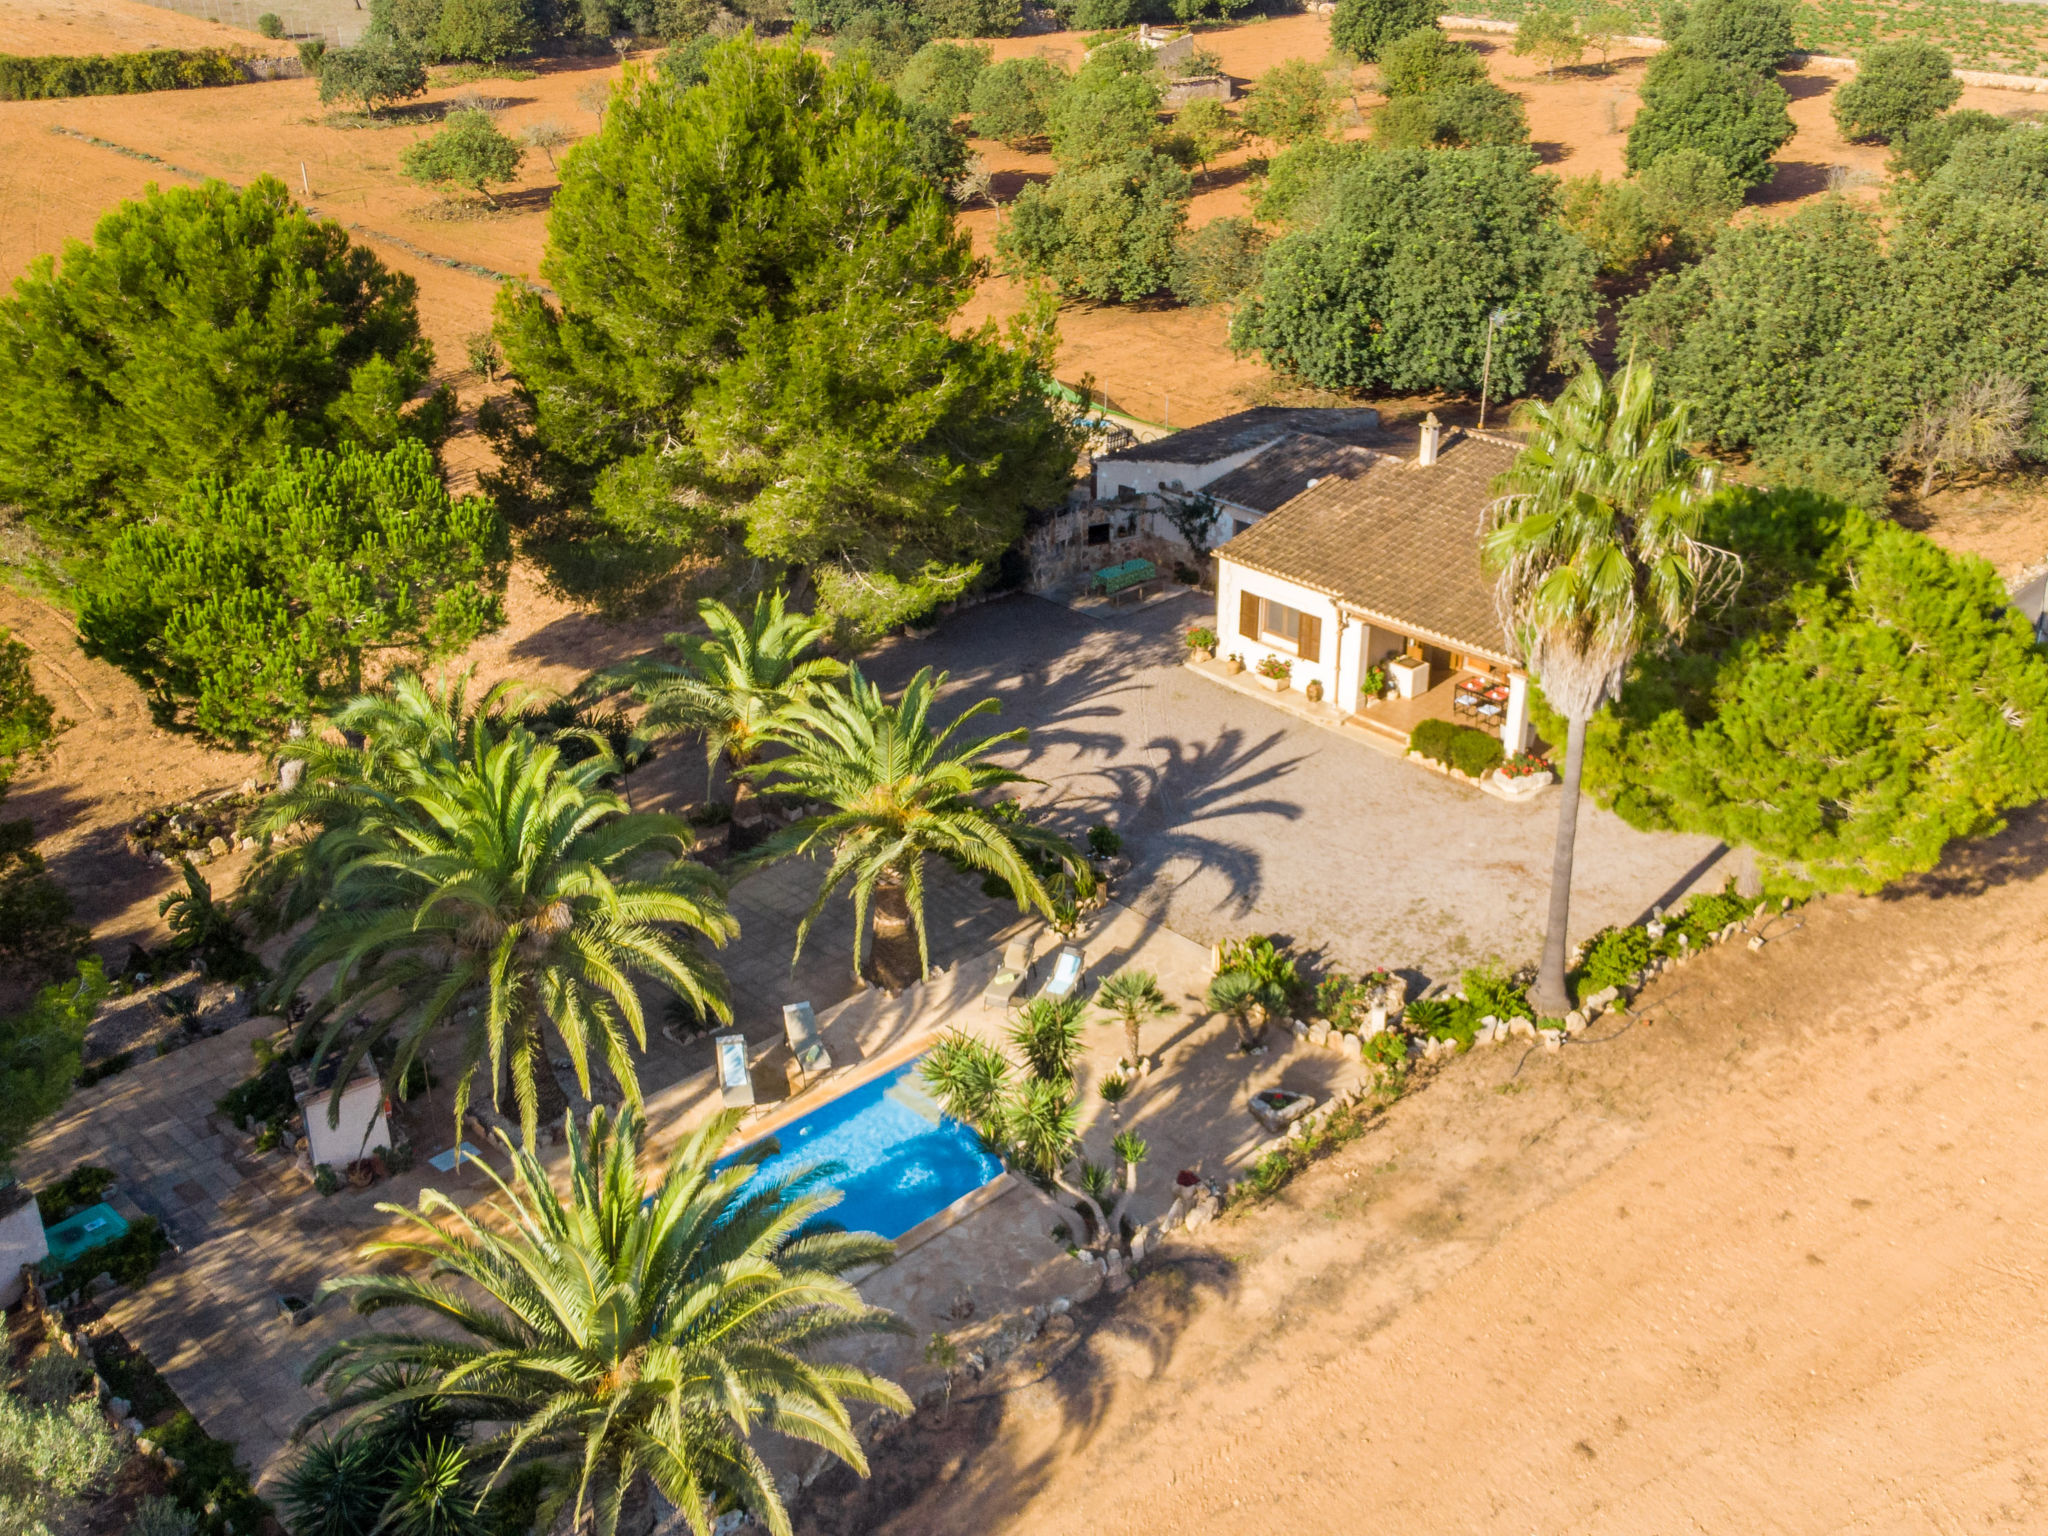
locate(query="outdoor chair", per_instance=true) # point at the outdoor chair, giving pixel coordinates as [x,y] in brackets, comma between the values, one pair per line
[735,1077]
[800,1024]
[1016,970]
[1066,974]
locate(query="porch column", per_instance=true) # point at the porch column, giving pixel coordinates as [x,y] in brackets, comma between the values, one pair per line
[1344,684]
[1514,731]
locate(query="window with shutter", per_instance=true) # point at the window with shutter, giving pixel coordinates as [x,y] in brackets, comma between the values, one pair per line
[1248,615]
[1310,647]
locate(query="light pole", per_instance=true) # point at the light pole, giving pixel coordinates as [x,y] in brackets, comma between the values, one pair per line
[1494,322]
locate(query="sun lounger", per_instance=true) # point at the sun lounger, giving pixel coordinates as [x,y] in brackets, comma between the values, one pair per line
[735,1077]
[1016,970]
[1066,974]
[800,1023]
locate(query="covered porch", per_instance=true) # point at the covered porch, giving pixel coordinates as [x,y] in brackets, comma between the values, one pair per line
[1478,697]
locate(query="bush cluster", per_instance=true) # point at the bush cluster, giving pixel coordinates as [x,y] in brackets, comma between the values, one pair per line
[1484,992]
[45,77]
[1472,752]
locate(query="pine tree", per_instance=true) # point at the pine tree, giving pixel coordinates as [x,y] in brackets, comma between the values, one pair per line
[753,336]
[252,602]
[201,330]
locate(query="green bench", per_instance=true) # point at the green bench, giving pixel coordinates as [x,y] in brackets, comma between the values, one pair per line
[1126,577]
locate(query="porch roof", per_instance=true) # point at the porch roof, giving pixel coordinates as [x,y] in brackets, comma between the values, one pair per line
[1283,470]
[1398,543]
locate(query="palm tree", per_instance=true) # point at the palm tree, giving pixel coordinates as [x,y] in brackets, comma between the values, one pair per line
[901,792]
[1132,998]
[623,1339]
[1249,1001]
[1594,545]
[734,684]
[501,885]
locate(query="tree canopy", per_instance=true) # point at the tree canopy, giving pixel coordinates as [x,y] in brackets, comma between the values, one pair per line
[942,75]
[1921,149]
[751,339]
[1393,288]
[2009,167]
[1362,28]
[1722,109]
[1476,116]
[1292,101]
[484,30]
[39,1053]
[1425,60]
[1755,35]
[253,602]
[1012,100]
[202,330]
[1817,718]
[471,151]
[377,71]
[1110,108]
[1106,232]
[1896,85]
[1814,339]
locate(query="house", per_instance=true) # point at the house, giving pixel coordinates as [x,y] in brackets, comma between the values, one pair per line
[1249,463]
[1378,565]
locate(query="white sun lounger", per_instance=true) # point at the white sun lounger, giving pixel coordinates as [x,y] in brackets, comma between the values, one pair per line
[1016,970]
[1066,973]
[735,1077]
[800,1024]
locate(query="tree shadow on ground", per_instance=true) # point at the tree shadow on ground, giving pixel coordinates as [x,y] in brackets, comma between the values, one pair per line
[1795,179]
[1804,87]
[2018,853]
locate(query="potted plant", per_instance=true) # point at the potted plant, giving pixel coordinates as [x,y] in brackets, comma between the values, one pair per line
[1274,673]
[1314,690]
[1202,643]
[1523,774]
[1373,686]
[1234,665]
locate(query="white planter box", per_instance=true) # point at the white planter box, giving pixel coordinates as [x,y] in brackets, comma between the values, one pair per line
[1410,678]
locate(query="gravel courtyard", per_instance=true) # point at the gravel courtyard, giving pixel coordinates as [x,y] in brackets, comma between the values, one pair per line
[1239,818]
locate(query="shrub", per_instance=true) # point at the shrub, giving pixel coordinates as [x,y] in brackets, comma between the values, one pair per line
[271,25]
[159,1517]
[1921,149]
[1896,85]
[264,1099]
[1425,60]
[1292,101]
[1392,289]
[1471,752]
[1550,35]
[40,1049]
[1108,111]
[1216,263]
[1463,117]
[1260,958]
[252,602]
[374,73]
[43,78]
[2009,166]
[1364,28]
[484,30]
[972,18]
[129,1259]
[1105,842]
[127,385]
[81,1187]
[1011,100]
[942,76]
[1612,958]
[1201,638]
[1106,232]
[887,39]
[1721,109]
[1754,35]
[50,1457]
[1301,178]
[471,151]
[1206,128]
[210,1480]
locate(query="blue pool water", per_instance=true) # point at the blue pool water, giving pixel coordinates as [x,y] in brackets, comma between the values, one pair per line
[903,1160]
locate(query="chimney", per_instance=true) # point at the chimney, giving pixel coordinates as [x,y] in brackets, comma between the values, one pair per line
[1432,434]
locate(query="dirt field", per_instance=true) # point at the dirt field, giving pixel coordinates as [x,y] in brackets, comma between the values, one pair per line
[112,26]
[1769,1261]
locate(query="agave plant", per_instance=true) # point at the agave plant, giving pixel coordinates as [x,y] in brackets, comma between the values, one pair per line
[619,1339]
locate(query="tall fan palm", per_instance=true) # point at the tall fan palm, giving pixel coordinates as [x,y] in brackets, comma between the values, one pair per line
[1594,545]
[734,684]
[901,792]
[622,1338]
[506,887]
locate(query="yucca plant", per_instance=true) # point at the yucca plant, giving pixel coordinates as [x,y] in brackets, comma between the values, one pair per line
[623,1339]
[1133,999]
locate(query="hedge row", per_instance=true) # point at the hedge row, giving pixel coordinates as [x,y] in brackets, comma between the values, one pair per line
[1473,753]
[115,74]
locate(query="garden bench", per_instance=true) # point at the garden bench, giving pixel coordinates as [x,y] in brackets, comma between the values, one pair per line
[1115,580]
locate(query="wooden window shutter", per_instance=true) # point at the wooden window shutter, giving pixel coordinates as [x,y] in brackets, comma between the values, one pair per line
[1311,645]
[1248,615]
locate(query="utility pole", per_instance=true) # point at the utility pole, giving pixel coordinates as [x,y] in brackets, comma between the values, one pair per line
[1494,322]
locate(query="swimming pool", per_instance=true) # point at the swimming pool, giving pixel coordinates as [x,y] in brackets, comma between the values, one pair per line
[904,1160]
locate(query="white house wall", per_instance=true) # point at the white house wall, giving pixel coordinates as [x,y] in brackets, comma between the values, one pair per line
[1232,581]
[1144,475]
